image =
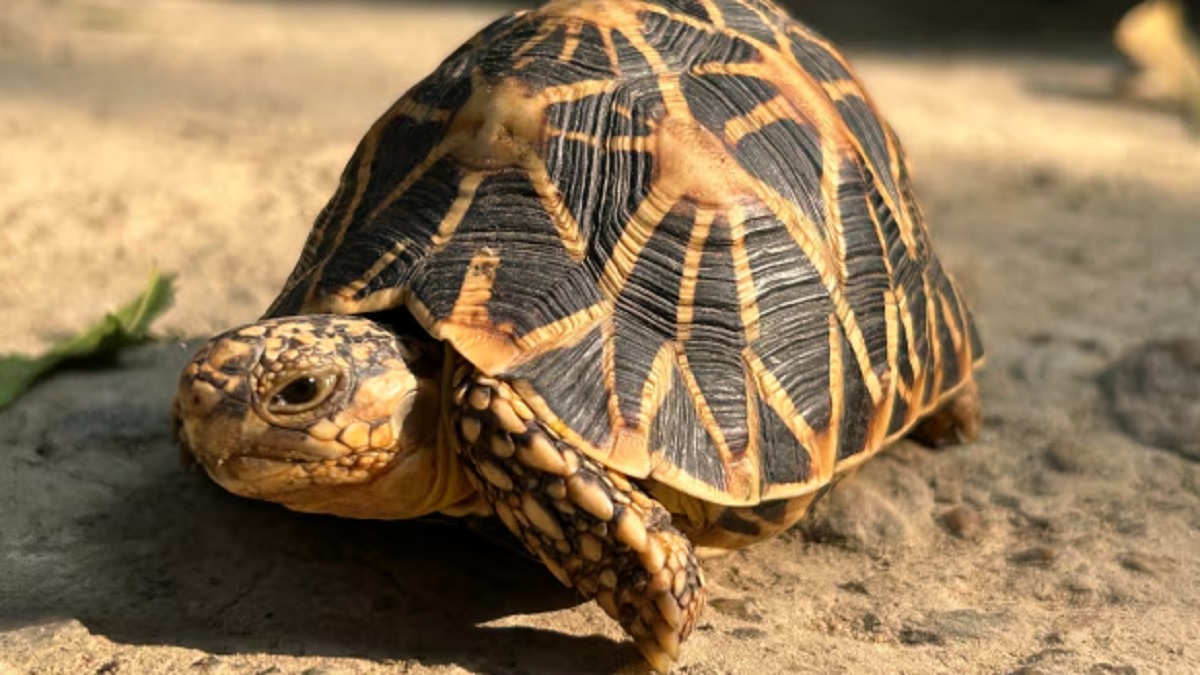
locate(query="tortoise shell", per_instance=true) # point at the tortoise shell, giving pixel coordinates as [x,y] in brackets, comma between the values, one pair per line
[678,228]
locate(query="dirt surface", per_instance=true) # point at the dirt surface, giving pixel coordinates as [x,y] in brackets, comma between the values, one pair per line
[203,137]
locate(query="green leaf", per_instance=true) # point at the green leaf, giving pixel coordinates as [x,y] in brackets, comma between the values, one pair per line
[126,327]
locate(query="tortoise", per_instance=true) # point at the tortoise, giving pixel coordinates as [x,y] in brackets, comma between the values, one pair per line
[641,278]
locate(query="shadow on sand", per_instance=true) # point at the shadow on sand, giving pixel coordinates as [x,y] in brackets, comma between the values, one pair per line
[170,559]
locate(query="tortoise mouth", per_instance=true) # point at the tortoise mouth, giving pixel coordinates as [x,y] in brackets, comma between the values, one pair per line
[284,479]
[216,446]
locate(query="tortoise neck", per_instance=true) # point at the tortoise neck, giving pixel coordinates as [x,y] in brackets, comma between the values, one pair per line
[451,491]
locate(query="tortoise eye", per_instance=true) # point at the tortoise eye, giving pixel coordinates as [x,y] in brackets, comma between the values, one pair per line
[302,394]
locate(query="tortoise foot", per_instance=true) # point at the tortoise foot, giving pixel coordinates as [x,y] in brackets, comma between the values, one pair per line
[592,528]
[957,421]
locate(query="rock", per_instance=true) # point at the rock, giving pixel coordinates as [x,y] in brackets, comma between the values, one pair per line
[963,522]
[747,633]
[885,506]
[1067,455]
[1147,563]
[1035,556]
[738,608]
[919,636]
[1153,392]
[963,624]
[1110,669]
[209,664]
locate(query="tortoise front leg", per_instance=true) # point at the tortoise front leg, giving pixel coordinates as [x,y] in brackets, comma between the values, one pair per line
[591,527]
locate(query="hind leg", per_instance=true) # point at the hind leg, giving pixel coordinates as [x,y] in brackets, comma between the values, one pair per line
[957,421]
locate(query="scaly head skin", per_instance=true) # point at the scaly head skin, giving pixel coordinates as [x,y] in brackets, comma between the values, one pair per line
[323,414]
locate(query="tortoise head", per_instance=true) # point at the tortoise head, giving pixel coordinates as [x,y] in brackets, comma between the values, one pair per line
[323,414]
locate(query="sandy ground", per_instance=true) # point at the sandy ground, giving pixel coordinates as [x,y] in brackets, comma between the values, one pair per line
[202,138]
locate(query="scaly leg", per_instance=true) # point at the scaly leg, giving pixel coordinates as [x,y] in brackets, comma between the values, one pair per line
[591,527]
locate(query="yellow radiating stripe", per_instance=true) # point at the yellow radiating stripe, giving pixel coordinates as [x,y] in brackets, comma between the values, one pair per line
[629,246]
[370,144]
[800,32]
[757,69]
[837,391]
[458,208]
[965,315]
[829,262]
[781,68]
[780,36]
[564,332]
[917,388]
[572,41]
[435,155]
[629,144]
[691,273]
[420,112]
[714,13]
[612,143]
[753,121]
[837,237]
[753,422]
[802,104]
[832,265]
[470,309]
[610,50]
[351,289]
[608,364]
[932,313]
[772,392]
[904,219]
[952,324]
[883,243]
[673,101]
[403,108]
[835,229]
[735,469]
[914,358]
[546,28]
[881,417]
[576,137]
[554,205]
[477,39]
[961,350]
[656,387]
[891,309]
[564,93]
[840,89]
[747,294]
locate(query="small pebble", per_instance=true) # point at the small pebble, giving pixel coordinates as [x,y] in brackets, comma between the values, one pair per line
[1066,456]
[1035,556]
[1145,563]
[209,664]
[1154,393]
[919,636]
[738,608]
[746,633]
[963,522]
